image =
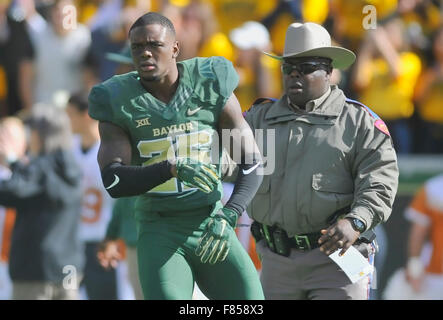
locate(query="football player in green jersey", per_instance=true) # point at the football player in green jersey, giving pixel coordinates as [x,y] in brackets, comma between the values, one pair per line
[158,128]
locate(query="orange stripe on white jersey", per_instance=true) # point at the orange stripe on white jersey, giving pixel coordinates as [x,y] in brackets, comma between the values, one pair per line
[7,219]
[96,204]
[427,206]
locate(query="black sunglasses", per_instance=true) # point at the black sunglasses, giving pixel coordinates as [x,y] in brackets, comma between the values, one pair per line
[305,67]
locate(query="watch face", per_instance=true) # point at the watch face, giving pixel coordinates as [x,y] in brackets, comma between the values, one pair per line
[358,224]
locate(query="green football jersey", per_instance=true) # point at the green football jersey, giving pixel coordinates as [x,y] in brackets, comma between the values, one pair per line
[184,127]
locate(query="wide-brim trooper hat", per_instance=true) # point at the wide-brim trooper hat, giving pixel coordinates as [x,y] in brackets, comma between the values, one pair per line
[312,40]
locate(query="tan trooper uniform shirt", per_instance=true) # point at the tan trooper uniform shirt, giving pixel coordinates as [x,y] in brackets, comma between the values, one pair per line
[335,154]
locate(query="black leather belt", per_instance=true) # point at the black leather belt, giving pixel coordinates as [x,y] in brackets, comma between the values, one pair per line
[279,242]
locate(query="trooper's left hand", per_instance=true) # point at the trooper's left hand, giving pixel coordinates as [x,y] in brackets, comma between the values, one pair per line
[339,235]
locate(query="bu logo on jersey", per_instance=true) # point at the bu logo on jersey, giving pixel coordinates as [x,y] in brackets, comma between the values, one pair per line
[143,122]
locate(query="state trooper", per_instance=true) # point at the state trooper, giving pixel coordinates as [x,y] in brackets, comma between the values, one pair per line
[335,175]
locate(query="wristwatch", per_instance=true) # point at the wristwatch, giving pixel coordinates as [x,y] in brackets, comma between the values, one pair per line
[357,224]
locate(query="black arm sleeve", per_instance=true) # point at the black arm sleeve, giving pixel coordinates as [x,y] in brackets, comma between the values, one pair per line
[246,185]
[125,181]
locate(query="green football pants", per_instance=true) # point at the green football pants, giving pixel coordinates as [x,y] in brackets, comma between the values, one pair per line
[168,265]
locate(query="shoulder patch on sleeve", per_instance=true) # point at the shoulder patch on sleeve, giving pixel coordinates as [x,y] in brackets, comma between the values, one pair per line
[258,102]
[378,122]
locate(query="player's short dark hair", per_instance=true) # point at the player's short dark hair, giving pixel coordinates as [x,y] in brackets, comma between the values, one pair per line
[79,101]
[153,18]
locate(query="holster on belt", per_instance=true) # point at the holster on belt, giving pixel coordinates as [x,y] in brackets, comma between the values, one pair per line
[278,241]
[274,239]
[256,231]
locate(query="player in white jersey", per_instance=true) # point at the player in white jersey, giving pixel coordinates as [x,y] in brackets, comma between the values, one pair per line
[100,283]
[422,276]
[97,204]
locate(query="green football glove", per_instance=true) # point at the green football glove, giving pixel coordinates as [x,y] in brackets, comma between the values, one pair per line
[197,174]
[213,245]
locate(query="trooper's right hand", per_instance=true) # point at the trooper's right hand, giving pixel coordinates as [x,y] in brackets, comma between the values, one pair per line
[196,174]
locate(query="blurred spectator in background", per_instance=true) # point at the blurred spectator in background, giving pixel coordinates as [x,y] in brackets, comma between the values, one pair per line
[421,18]
[198,31]
[110,37]
[212,20]
[12,147]
[259,74]
[106,35]
[422,278]
[429,97]
[98,14]
[231,14]
[283,14]
[123,60]
[105,13]
[100,284]
[16,55]
[46,193]
[385,76]
[348,19]
[86,9]
[12,141]
[61,45]
[122,226]
[291,6]
[315,10]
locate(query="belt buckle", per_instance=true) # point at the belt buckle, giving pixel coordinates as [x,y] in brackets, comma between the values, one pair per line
[303,242]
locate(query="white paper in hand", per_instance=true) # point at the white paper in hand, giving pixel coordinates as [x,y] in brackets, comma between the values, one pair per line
[353,263]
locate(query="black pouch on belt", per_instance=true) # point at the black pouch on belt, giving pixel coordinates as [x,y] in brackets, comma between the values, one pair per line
[256,231]
[281,242]
[260,231]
